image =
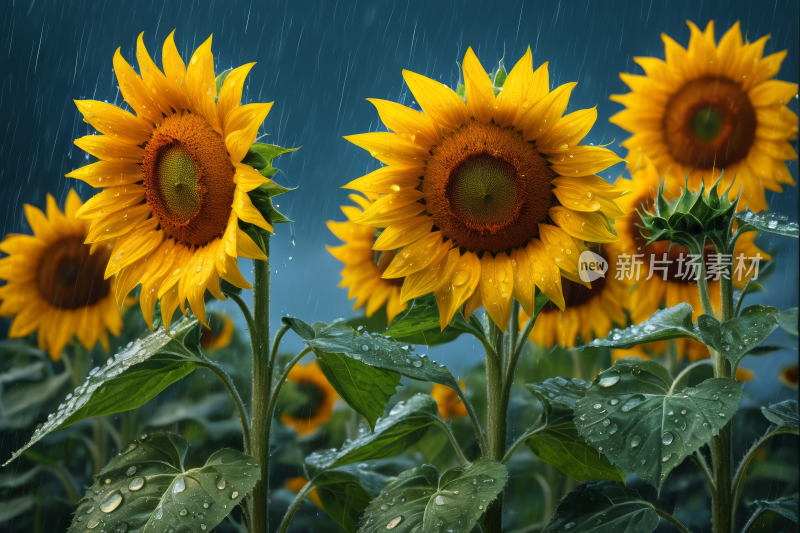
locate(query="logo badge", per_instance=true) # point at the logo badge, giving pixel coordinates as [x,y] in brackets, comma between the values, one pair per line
[591,266]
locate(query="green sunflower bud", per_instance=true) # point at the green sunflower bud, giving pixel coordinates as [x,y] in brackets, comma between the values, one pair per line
[691,218]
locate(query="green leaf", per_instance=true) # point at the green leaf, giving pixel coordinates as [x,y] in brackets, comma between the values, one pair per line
[345,493]
[14,507]
[671,323]
[633,416]
[419,324]
[401,504]
[773,516]
[364,388]
[769,222]
[303,329]
[380,352]
[734,338]
[557,442]
[783,414]
[788,321]
[603,507]
[130,379]
[405,425]
[221,79]
[261,197]
[560,446]
[147,488]
[415,501]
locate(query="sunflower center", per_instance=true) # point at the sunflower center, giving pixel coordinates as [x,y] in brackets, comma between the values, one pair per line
[709,122]
[69,277]
[178,179]
[486,188]
[315,399]
[188,179]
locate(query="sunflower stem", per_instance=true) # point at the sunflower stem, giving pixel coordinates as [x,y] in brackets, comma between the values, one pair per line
[721,500]
[262,389]
[287,518]
[496,414]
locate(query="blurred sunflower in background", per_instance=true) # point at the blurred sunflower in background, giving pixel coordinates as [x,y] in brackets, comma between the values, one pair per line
[321,397]
[710,108]
[450,405]
[296,484]
[174,183]
[788,376]
[486,198]
[365,261]
[219,333]
[590,309]
[55,282]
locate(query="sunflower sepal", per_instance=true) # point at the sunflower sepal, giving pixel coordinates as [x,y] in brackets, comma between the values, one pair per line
[690,218]
[129,379]
[261,155]
[640,394]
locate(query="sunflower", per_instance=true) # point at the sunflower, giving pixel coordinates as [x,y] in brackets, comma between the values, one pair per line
[219,334]
[364,267]
[55,282]
[486,198]
[174,183]
[711,108]
[647,295]
[322,396]
[450,405]
[788,376]
[589,311]
[296,484]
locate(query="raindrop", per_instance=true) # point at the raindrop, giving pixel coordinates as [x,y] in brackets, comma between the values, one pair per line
[136,484]
[598,406]
[365,348]
[439,500]
[384,507]
[608,381]
[394,522]
[94,522]
[131,446]
[203,527]
[606,422]
[635,441]
[112,502]
[683,412]
[666,458]
[630,404]
[183,512]
[89,511]
[612,430]
[667,438]
[179,486]
[234,495]
[417,364]
[131,471]
[221,484]
[569,526]
[614,401]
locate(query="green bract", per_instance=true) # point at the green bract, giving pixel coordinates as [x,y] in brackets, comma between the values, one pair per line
[690,218]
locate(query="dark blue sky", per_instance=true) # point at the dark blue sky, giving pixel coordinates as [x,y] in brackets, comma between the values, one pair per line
[318,61]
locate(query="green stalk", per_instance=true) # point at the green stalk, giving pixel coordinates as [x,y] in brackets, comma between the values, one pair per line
[721,500]
[262,387]
[495,420]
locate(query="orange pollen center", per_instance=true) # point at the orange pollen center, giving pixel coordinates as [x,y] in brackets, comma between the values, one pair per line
[188,179]
[709,122]
[69,277]
[487,188]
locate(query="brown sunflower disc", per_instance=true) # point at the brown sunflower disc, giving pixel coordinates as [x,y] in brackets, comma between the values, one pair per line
[188,179]
[487,188]
[709,122]
[69,277]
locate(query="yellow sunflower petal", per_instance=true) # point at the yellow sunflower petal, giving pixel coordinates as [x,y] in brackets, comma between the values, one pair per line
[403,232]
[110,200]
[479,93]
[386,179]
[591,227]
[39,224]
[245,210]
[772,92]
[473,303]
[117,223]
[134,91]
[497,287]
[110,149]
[387,210]
[165,99]
[391,149]
[144,240]
[515,90]
[583,160]
[438,101]
[569,131]
[546,275]
[242,128]
[458,287]
[175,71]
[201,84]
[108,174]
[426,280]
[114,122]
[524,291]
[408,123]
[415,256]
[247,178]
[545,113]
[230,94]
